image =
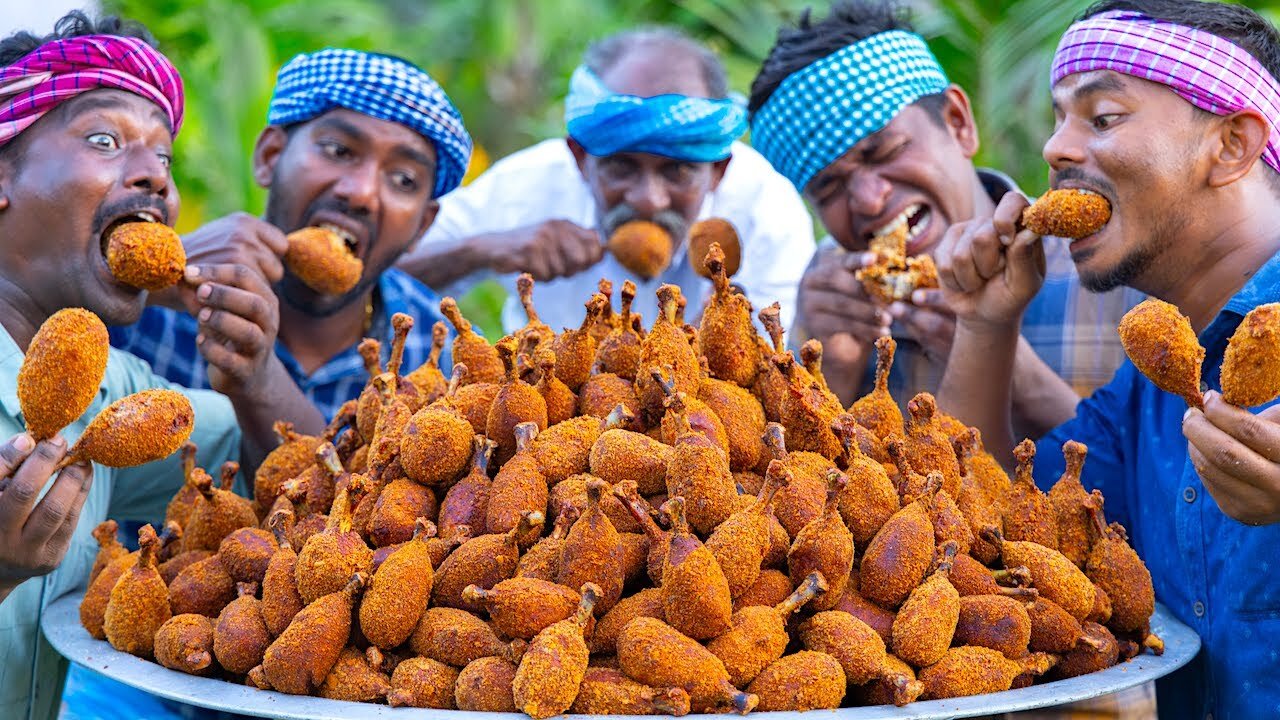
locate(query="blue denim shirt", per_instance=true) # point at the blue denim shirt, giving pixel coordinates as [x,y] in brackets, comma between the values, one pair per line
[1214,573]
[167,339]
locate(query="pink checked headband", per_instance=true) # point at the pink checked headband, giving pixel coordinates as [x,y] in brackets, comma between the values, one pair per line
[59,71]
[1207,71]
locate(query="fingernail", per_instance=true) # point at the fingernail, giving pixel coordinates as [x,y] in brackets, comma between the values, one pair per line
[919,297]
[898,309]
[200,339]
[205,313]
[1187,414]
[24,442]
[204,292]
[1006,240]
[192,272]
[58,441]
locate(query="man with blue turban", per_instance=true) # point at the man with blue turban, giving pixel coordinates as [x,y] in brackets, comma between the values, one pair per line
[362,144]
[652,135]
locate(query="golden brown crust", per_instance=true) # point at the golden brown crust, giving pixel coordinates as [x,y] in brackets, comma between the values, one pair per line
[322,261]
[719,231]
[1070,213]
[146,255]
[642,247]
[137,429]
[1159,340]
[62,369]
[1251,366]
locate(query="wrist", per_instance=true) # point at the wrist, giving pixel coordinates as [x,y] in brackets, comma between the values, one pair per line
[992,331]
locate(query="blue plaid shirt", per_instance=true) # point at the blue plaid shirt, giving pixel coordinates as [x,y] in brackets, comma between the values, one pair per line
[167,339]
[1213,572]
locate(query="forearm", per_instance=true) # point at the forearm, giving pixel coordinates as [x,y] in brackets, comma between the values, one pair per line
[1041,399]
[844,360]
[844,378]
[278,398]
[441,264]
[977,386]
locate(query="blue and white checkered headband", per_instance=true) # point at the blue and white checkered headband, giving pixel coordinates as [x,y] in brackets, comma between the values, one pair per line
[379,86]
[817,114]
[684,128]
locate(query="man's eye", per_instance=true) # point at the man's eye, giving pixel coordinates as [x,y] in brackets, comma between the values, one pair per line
[887,153]
[167,159]
[1102,122]
[333,149]
[404,181]
[106,141]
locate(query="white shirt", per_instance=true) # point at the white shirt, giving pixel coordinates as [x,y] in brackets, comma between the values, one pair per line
[542,183]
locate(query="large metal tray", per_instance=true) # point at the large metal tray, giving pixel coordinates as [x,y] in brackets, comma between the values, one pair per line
[61,625]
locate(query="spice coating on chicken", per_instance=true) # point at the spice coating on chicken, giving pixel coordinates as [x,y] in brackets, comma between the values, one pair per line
[320,258]
[1251,366]
[642,247]
[1160,341]
[1067,213]
[146,255]
[61,371]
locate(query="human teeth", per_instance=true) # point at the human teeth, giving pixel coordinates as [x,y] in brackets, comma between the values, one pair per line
[147,217]
[919,227]
[894,224]
[346,236]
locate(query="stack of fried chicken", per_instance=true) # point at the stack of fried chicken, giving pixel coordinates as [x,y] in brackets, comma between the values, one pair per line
[619,520]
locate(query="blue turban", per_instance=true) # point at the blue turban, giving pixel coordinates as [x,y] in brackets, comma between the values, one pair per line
[818,113]
[379,86]
[675,126]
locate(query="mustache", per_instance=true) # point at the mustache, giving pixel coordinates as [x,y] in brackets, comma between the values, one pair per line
[341,207]
[108,212]
[669,220]
[1075,174]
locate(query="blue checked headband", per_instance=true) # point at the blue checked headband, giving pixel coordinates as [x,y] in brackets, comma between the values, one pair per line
[379,86]
[676,126]
[818,113]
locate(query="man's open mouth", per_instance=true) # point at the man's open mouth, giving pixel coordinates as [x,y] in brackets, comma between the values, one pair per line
[915,218]
[146,216]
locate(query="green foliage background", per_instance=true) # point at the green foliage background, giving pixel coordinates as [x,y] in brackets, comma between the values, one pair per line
[506,64]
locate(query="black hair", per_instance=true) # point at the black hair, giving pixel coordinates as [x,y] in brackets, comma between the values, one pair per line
[1236,23]
[74,24]
[603,55]
[848,22]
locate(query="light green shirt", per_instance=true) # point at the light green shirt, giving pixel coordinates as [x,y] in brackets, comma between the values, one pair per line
[32,673]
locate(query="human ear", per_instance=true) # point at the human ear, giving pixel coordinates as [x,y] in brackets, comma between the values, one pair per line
[718,169]
[580,155]
[266,153]
[957,116]
[1239,140]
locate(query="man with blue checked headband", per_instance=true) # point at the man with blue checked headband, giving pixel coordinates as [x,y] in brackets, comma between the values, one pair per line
[652,135]
[856,112]
[362,144]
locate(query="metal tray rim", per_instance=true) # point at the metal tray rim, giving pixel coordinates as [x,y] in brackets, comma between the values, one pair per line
[61,626]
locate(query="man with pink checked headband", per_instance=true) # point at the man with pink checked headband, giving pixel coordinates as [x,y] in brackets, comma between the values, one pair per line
[1168,109]
[88,116]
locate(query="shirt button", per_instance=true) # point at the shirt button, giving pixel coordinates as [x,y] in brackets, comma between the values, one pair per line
[1198,609]
[1189,494]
